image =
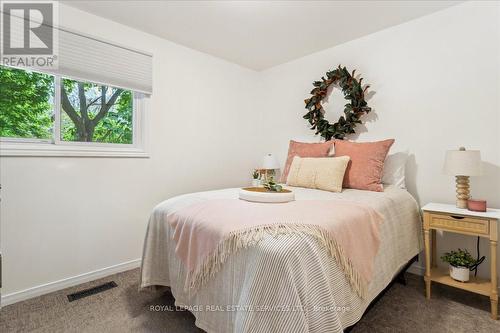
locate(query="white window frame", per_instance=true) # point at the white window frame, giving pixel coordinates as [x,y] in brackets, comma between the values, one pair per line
[56,147]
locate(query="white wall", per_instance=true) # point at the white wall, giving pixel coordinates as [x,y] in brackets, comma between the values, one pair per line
[436,87]
[62,217]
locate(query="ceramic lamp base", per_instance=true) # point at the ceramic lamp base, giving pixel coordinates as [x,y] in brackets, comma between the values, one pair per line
[463,191]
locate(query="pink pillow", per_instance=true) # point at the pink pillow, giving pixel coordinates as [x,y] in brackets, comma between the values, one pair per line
[364,171]
[303,149]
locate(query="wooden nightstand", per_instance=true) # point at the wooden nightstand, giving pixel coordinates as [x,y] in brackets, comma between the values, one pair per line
[450,218]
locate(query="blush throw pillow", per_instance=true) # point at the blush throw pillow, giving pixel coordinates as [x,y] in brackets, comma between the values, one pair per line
[364,171]
[323,173]
[304,149]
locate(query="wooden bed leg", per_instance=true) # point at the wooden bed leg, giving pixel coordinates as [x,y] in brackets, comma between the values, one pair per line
[401,278]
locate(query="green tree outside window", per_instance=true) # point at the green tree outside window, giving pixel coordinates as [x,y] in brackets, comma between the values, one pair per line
[89,112]
[26,104]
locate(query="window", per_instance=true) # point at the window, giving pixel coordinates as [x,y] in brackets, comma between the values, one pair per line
[26,104]
[95,113]
[58,115]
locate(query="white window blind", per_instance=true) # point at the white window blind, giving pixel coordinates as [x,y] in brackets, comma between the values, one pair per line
[93,60]
[87,58]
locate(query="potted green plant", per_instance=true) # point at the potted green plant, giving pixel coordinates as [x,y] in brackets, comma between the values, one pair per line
[460,263]
[256,178]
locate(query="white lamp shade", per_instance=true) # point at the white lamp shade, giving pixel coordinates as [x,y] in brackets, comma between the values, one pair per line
[463,162]
[270,162]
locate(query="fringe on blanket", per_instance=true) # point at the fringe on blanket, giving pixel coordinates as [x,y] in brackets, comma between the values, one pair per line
[245,238]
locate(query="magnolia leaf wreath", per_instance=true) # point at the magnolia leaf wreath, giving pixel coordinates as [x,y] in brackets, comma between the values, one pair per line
[353,92]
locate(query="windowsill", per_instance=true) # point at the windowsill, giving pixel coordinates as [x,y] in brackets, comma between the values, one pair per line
[18,149]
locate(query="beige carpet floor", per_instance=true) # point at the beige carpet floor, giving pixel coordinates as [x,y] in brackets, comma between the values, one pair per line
[124,309]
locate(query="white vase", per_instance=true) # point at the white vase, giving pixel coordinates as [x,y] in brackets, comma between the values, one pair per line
[256,182]
[459,273]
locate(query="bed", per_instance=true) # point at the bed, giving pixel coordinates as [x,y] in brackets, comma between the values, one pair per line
[284,283]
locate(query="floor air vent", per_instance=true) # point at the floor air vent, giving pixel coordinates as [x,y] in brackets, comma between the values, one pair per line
[91,291]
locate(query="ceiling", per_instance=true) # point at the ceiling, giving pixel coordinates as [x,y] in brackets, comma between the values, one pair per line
[260,34]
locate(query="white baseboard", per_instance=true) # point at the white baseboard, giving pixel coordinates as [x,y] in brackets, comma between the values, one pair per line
[68,282]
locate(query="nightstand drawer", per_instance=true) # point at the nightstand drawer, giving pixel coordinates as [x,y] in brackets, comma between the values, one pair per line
[460,223]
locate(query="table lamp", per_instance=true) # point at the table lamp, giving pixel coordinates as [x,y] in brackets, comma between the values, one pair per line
[269,163]
[463,163]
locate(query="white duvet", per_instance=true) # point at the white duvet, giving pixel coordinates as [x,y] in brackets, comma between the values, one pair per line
[284,283]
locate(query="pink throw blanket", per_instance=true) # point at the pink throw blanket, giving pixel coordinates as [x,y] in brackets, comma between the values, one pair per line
[207,233]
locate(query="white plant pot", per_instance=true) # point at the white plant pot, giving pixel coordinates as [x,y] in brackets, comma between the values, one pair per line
[256,182]
[459,273]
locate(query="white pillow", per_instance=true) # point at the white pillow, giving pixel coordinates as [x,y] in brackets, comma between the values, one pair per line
[394,169]
[322,173]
